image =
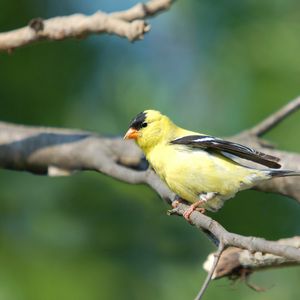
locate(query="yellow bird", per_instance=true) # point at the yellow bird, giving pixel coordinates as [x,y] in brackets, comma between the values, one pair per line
[199,168]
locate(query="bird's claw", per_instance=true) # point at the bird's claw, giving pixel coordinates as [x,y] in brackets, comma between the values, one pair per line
[187,213]
[201,210]
[192,208]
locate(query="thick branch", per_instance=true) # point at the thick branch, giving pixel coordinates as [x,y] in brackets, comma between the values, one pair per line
[128,24]
[48,150]
[52,151]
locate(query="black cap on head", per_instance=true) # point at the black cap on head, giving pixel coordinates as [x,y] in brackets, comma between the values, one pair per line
[137,122]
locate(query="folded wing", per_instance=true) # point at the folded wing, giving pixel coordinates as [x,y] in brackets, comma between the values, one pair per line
[211,143]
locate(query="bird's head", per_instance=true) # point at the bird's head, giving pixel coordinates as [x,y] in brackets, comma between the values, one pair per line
[149,128]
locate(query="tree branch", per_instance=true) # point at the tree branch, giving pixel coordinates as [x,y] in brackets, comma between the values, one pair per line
[129,24]
[52,151]
[253,244]
[143,10]
[211,270]
[276,118]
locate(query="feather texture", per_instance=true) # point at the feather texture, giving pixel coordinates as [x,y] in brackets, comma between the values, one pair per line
[211,143]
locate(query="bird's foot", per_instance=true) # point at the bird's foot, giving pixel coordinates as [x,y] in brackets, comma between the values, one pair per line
[204,197]
[193,207]
[201,210]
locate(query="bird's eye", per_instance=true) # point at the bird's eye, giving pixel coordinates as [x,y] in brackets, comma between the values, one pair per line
[144,124]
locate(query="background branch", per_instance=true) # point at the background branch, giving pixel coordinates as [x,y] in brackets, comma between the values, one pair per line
[129,24]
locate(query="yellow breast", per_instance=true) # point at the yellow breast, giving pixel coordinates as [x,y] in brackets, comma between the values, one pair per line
[189,173]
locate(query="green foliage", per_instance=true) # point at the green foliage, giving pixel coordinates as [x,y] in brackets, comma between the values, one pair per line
[218,67]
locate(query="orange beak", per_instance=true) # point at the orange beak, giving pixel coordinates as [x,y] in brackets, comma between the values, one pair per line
[131,134]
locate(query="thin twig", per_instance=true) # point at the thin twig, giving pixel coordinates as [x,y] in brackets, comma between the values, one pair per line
[217,256]
[276,118]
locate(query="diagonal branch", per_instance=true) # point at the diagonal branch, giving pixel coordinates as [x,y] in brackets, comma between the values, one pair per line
[129,24]
[253,244]
[276,118]
[52,151]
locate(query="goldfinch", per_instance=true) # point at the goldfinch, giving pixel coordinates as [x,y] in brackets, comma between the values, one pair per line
[199,168]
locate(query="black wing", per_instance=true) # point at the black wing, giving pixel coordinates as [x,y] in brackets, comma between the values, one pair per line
[211,143]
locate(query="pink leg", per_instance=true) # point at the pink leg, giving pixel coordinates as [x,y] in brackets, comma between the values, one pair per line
[204,197]
[194,206]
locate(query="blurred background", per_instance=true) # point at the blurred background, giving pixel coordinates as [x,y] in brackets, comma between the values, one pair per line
[213,66]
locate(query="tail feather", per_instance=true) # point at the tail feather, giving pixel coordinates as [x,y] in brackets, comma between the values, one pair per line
[283,173]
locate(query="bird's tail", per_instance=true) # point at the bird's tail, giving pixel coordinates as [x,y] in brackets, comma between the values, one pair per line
[283,173]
